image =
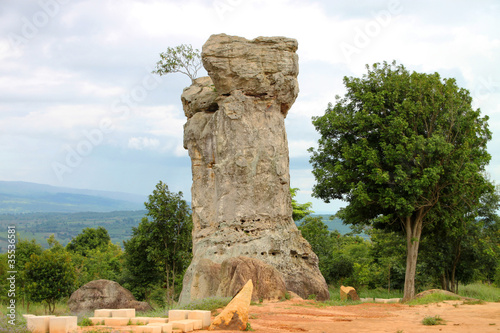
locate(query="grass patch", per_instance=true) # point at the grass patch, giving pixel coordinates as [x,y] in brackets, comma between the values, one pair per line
[379,293]
[207,304]
[482,291]
[85,321]
[436,320]
[433,298]
[18,327]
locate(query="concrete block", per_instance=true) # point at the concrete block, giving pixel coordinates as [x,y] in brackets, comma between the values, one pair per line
[367,300]
[129,313]
[97,320]
[185,325]
[176,315]
[165,327]
[38,324]
[204,316]
[28,315]
[116,321]
[102,313]
[157,320]
[63,324]
[139,320]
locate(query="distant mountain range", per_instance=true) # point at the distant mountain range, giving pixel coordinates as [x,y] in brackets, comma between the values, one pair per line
[23,197]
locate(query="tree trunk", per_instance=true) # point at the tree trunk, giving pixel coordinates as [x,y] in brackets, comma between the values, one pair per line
[413,226]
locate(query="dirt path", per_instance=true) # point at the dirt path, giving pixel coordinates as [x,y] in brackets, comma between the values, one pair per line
[307,316]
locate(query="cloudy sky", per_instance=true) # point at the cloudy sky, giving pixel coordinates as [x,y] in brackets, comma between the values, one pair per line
[79,107]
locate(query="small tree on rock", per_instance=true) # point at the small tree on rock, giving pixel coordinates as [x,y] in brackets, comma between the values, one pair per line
[180,59]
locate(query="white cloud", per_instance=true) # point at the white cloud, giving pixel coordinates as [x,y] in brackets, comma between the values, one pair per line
[141,143]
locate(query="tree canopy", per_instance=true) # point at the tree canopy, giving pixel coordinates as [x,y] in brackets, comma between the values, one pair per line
[403,149]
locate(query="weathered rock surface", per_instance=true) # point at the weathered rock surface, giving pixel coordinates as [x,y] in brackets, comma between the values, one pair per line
[206,279]
[199,97]
[239,153]
[235,272]
[104,294]
[235,314]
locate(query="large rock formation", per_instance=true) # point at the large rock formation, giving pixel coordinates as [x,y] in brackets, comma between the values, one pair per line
[236,138]
[104,294]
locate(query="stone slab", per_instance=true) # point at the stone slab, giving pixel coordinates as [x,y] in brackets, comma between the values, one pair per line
[38,324]
[129,313]
[185,325]
[97,320]
[176,315]
[117,321]
[63,324]
[165,327]
[140,320]
[204,316]
[157,320]
[102,313]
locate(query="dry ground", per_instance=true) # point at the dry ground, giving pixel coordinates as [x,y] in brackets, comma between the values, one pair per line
[297,315]
[306,316]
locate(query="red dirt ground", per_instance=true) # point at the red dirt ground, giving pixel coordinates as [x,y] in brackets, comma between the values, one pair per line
[306,316]
[297,315]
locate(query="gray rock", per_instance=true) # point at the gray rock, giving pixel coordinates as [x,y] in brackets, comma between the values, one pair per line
[239,154]
[104,294]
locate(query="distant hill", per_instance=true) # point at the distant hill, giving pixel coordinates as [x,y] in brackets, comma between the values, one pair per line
[65,226]
[24,197]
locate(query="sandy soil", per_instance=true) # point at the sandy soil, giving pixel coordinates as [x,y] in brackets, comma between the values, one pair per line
[307,316]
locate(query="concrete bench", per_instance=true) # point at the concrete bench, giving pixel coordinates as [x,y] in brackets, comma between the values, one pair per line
[63,324]
[204,316]
[117,321]
[38,324]
[102,312]
[157,320]
[165,327]
[139,320]
[129,313]
[186,325]
[176,315]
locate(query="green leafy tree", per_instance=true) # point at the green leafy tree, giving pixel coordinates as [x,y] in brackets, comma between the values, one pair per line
[180,59]
[95,256]
[299,210]
[399,147]
[166,234]
[141,273]
[89,239]
[50,277]
[24,249]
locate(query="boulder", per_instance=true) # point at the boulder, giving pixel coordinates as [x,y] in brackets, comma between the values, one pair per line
[241,204]
[104,294]
[235,314]
[348,293]
[235,272]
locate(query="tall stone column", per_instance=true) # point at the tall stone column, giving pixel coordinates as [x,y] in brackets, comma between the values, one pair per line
[236,138]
